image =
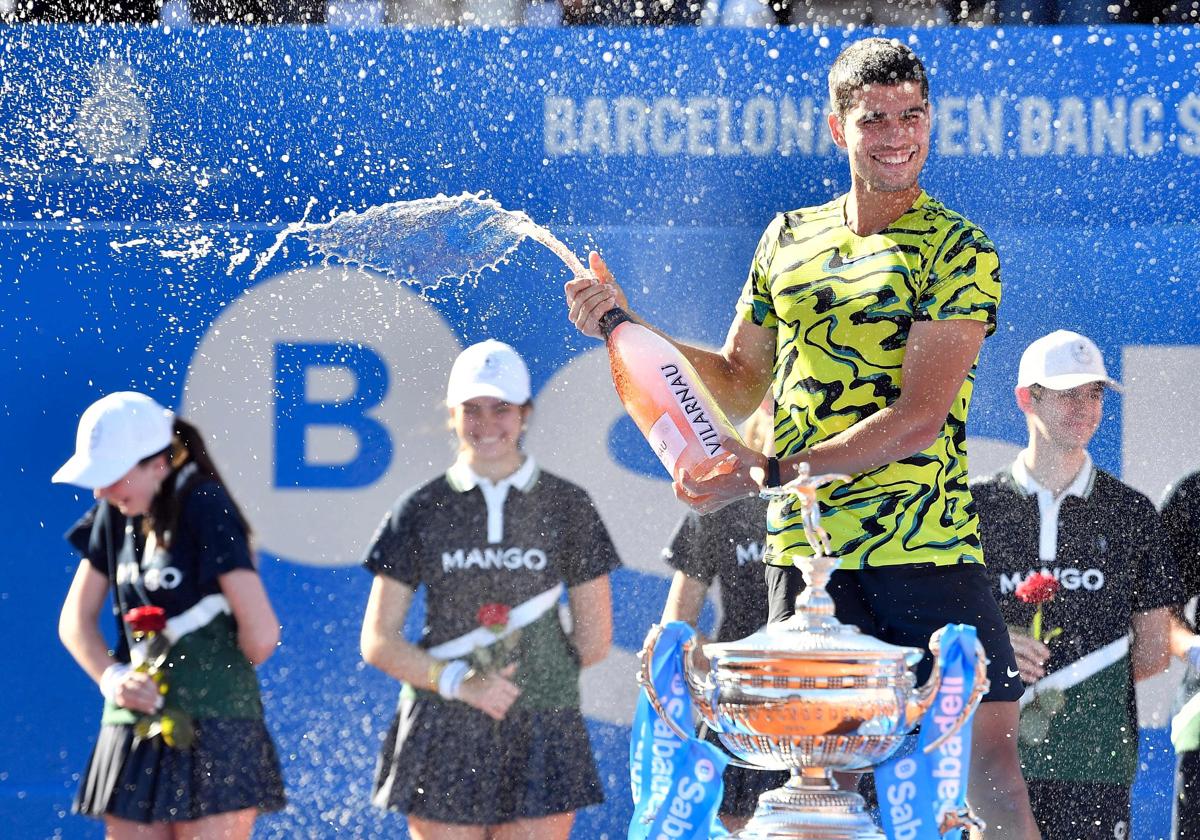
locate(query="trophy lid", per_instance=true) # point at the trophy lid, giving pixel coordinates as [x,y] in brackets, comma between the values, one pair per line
[813,633]
[805,636]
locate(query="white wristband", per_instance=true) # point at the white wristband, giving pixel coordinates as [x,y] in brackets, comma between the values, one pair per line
[112,678]
[452,678]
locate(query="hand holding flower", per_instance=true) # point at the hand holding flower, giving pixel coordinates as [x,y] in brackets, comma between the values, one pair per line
[493,657]
[1038,589]
[139,692]
[1032,652]
[143,686]
[1031,646]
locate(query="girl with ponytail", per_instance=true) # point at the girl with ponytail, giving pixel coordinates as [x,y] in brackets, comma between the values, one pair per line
[166,540]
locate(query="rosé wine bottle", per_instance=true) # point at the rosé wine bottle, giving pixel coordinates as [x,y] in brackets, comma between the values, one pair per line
[665,397]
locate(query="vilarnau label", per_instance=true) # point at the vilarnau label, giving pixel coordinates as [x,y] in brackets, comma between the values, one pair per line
[691,406]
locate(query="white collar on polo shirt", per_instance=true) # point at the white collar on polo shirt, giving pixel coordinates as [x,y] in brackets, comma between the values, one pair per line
[463,479]
[1048,504]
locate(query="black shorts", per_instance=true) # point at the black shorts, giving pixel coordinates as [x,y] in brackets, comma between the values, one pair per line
[905,605]
[1079,810]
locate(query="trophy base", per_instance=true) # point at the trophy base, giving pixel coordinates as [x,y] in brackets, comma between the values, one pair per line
[810,808]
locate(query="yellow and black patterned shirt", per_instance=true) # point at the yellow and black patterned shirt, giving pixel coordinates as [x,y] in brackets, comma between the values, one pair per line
[841,306]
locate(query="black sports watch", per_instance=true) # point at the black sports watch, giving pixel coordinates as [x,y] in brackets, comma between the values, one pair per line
[772,476]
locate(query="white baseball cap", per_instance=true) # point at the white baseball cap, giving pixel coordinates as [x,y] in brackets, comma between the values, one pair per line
[114,434]
[1062,360]
[488,369]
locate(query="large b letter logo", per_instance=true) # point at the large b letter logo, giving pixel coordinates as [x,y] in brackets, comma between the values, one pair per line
[298,416]
[321,394]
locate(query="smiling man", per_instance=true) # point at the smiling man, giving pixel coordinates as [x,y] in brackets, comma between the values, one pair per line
[865,316]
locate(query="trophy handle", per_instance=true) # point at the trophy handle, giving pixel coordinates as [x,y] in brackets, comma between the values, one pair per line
[700,684]
[927,693]
[645,678]
[699,687]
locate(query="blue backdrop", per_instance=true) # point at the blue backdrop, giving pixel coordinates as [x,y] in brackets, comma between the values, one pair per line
[142,173]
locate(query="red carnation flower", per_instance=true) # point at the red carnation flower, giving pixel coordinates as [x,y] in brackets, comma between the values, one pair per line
[146,619]
[493,616]
[496,654]
[1038,588]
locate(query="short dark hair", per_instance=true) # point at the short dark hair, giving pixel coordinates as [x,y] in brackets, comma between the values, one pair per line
[873,61]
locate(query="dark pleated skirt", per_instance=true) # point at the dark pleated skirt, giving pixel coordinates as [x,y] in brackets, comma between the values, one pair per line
[231,766]
[445,761]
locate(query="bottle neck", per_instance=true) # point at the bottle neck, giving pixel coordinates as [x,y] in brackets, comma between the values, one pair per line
[612,319]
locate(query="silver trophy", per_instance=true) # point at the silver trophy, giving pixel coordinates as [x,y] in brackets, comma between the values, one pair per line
[813,696]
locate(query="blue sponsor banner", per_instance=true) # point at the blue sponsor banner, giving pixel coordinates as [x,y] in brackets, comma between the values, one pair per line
[143,172]
[676,783]
[924,792]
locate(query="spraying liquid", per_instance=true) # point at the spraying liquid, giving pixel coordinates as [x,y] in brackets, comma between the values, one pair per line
[425,241]
[429,240]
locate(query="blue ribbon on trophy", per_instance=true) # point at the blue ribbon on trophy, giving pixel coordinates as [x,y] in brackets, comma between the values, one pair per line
[923,793]
[677,785]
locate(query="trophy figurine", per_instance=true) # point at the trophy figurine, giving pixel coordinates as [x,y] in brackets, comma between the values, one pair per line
[813,696]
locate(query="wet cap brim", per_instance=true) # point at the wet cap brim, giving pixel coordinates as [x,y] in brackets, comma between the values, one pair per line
[87,472]
[483,389]
[1067,381]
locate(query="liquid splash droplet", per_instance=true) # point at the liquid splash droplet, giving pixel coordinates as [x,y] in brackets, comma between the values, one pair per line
[424,241]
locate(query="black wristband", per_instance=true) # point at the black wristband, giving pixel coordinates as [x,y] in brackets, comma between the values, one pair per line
[772,477]
[612,319]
